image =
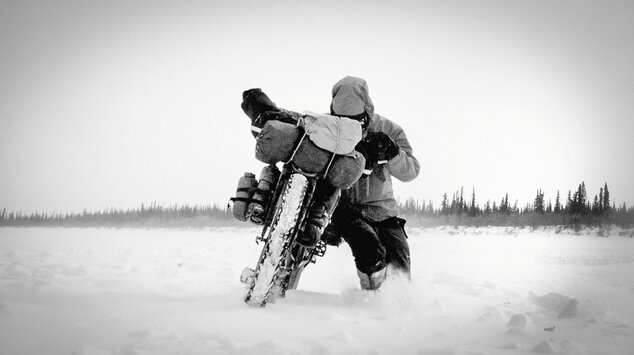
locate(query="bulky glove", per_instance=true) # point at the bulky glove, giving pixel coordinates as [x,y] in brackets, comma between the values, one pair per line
[255,102]
[378,147]
[260,109]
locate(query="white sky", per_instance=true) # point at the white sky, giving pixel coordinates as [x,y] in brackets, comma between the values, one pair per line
[115,103]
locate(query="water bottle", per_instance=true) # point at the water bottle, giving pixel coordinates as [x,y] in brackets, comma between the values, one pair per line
[246,186]
[256,211]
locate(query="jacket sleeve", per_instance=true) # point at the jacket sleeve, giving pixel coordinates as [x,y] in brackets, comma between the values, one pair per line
[404,166]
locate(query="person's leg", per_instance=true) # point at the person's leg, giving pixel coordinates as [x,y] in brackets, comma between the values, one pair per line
[320,212]
[367,250]
[369,254]
[391,233]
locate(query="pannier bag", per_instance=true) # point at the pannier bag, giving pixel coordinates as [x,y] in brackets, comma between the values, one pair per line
[247,184]
[346,170]
[261,199]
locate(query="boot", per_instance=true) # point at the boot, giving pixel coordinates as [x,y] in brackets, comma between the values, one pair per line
[318,218]
[372,281]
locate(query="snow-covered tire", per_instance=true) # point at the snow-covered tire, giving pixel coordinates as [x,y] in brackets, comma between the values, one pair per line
[278,238]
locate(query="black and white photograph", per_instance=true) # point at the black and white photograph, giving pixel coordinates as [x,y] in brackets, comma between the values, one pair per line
[316,177]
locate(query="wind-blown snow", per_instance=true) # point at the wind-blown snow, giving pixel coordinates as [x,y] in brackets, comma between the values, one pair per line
[474,291]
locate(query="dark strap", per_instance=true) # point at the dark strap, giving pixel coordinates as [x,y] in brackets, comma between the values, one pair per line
[259,200]
[242,199]
[264,193]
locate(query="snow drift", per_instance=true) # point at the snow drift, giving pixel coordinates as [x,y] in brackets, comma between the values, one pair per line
[474,291]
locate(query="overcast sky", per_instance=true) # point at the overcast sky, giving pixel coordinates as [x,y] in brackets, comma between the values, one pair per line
[117,103]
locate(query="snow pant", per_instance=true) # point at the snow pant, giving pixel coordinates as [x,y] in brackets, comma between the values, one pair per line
[374,245]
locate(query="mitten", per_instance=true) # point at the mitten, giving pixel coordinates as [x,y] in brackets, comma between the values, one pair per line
[255,102]
[379,147]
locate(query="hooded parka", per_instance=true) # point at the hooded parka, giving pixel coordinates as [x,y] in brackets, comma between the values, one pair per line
[373,195]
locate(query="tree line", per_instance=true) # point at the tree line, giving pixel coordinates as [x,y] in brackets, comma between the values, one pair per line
[576,210]
[152,215]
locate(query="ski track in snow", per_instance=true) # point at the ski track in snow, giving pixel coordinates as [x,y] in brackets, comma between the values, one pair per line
[474,291]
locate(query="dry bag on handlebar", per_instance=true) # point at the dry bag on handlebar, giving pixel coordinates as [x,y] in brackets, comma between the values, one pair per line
[277,141]
[337,135]
[311,147]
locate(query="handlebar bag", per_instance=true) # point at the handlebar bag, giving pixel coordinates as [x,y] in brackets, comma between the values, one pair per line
[277,141]
[335,134]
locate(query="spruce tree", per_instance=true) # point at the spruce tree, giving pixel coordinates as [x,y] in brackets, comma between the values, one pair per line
[596,208]
[444,205]
[606,198]
[504,205]
[539,202]
[583,199]
[601,208]
[472,209]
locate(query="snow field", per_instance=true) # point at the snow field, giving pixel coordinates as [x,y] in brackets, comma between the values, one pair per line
[474,291]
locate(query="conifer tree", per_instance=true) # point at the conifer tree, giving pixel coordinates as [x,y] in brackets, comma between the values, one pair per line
[444,205]
[606,198]
[601,200]
[504,205]
[539,202]
[472,209]
[582,199]
[596,207]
